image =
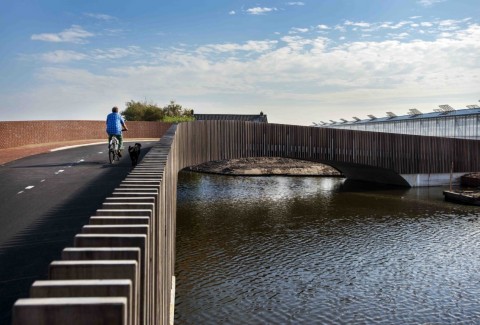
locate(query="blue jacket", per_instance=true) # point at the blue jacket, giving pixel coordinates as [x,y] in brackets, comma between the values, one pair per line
[114,123]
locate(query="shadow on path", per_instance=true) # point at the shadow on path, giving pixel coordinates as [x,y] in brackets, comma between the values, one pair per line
[26,257]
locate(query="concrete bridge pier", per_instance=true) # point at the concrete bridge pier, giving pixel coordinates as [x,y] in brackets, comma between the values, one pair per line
[390,177]
[440,179]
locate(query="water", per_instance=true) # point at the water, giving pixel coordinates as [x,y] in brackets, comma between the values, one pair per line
[295,250]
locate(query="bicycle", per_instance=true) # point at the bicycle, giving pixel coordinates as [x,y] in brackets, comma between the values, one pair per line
[113,150]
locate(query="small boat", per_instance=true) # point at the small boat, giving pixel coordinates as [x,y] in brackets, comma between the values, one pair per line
[463,197]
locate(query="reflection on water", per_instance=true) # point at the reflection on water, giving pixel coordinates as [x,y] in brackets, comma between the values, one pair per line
[294,250]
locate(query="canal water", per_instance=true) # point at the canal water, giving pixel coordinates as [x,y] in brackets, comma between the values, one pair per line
[306,250]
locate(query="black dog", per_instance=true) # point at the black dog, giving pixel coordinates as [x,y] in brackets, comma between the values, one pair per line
[134,153]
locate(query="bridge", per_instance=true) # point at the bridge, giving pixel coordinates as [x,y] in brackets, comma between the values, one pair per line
[121,267]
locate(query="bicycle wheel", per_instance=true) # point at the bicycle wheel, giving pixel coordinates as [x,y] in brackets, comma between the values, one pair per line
[111,155]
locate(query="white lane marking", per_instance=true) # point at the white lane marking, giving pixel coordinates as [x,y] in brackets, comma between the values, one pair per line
[27,188]
[42,181]
[81,160]
[100,152]
[149,140]
[60,171]
[76,146]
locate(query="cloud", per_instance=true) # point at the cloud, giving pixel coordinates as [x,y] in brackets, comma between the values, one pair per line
[100,16]
[357,24]
[426,24]
[303,70]
[295,3]
[115,53]
[323,27]
[399,36]
[116,32]
[295,43]
[448,25]
[74,34]
[232,12]
[296,30]
[340,28]
[260,10]
[370,27]
[249,46]
[429,3]
[389,25]
[436,27]
[63,56]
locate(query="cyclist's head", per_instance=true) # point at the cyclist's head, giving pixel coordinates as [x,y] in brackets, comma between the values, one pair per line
[115,109]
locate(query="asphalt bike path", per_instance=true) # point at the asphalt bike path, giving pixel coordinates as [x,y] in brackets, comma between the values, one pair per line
[44,202]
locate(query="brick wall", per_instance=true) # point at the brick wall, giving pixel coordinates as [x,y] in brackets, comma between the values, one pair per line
[16,134]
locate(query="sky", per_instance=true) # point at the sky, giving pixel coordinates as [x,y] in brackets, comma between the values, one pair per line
[299,62]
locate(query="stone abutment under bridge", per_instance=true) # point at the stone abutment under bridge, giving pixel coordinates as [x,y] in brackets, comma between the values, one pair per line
[121,267]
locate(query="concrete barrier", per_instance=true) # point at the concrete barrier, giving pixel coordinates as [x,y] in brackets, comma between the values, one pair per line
[98,270]
[106,253]
[71,311]
[86,288]
[120,240]
[119,220]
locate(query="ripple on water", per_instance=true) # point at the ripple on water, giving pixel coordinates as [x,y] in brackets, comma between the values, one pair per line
[271,251]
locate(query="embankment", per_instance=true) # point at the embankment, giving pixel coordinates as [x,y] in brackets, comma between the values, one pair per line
[264,166]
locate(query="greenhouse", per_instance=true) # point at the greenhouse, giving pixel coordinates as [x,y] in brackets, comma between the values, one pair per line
[443,122]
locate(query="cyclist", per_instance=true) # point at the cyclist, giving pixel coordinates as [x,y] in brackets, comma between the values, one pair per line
[115,126]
